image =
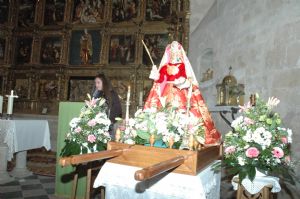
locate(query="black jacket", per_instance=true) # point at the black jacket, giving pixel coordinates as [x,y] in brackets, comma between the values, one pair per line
[115,109]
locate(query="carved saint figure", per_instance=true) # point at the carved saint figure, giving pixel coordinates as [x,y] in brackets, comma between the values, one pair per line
[86,47]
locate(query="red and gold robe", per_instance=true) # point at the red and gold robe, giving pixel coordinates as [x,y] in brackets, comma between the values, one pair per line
[163,87]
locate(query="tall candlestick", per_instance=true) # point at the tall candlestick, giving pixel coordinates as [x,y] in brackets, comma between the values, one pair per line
[1,104]
[141,99]
[128,94]
[127,105]
[10,103]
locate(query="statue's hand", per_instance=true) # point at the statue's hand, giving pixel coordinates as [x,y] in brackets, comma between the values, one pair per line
[154,74]
[182,83]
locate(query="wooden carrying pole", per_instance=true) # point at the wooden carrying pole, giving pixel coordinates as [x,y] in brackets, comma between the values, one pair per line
[157,169]
[85,158]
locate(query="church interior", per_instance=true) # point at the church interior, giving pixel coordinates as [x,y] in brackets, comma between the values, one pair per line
[113,99]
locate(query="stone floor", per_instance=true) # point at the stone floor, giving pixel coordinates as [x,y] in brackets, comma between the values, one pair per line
[33,187]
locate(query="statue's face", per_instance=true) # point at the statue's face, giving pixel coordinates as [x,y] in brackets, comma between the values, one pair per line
[176,52]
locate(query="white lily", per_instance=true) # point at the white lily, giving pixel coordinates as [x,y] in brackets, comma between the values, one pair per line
[272,102]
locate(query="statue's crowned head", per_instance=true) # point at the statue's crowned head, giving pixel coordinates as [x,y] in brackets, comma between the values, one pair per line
[176,55]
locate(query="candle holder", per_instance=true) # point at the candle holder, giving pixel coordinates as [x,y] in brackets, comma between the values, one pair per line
[9,116]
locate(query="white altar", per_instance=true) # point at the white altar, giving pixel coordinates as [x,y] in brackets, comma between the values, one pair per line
[119,183]
[18,136]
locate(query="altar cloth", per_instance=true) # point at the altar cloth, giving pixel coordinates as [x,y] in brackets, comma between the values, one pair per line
[119,183]
[23,135]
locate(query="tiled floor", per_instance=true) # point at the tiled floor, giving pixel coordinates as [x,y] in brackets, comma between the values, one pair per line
[33,187]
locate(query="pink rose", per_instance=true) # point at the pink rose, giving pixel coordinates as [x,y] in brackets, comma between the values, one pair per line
[78,130]
[252,152]
[284,140]
[230,150]
[92,123]
[91,138]
[277,152]
[248,121]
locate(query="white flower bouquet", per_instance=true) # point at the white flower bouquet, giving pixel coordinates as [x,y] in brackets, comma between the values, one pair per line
[89,131]
[258,142]
[167,124]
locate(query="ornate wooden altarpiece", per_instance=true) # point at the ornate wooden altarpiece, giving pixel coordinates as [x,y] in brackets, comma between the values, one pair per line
[50,50]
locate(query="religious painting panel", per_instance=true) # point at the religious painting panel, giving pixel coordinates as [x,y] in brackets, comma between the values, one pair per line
[23,50]
[124,10]
[79,87]
[26,13]
[156,44]
[147,85]
[48,89]
[2,49]
[51,50]
[1,85]
[180,5]
[158,10]
[21,87]
[120,85]
[88,11]
[85,47]
[4,11]
[54,12]
[122,49]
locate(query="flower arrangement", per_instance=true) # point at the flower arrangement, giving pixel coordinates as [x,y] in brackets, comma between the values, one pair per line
[258,142]
[167,124]
[88,132]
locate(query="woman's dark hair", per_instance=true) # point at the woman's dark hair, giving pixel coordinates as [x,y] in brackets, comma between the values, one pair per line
[106,87]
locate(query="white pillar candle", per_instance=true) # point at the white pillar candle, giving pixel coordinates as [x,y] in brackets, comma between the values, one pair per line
[128,94]
[127,104]
[1,104]
[141,98]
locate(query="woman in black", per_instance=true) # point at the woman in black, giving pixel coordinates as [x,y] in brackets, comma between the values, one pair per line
[104,89]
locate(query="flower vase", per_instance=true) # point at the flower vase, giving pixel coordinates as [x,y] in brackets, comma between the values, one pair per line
[152,140]
[88,149]
[259,173]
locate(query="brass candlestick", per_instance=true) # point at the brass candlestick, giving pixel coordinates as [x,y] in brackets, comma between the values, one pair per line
[152,140]
[118,135]
[253,99]
[191,142]
[171,142]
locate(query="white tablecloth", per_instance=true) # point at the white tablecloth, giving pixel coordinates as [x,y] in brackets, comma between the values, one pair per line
[259,182]
[23,135]
[120,184]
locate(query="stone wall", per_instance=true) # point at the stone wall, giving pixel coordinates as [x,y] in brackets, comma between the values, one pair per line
[260,39]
